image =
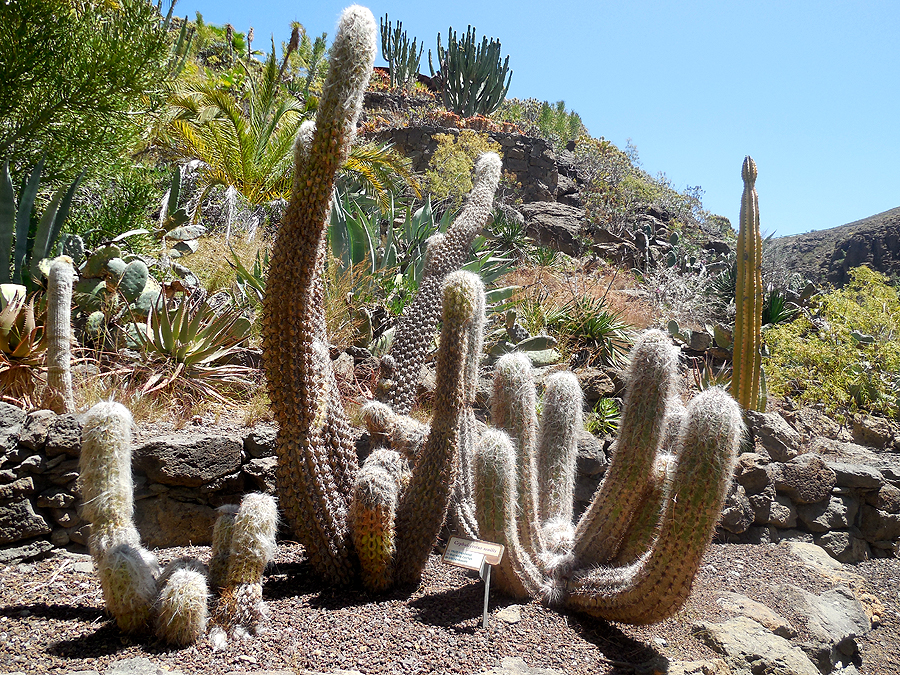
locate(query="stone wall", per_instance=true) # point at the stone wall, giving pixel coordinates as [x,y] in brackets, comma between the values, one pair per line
[841,495]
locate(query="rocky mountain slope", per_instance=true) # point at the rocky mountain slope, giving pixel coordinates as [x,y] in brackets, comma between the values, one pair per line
[829,255]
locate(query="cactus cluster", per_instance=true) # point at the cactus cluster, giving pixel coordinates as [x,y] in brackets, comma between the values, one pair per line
[746,365]
[377,522]
[633,554]
[474,78]
[173,601]
[401,55]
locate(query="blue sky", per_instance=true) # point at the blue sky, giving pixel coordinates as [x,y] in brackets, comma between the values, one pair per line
[811,90]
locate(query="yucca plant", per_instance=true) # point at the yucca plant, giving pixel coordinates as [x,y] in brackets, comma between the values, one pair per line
[594,333]
[22,345]
[192,338]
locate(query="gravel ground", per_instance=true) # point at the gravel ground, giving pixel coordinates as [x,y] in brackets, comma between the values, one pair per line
[52,620]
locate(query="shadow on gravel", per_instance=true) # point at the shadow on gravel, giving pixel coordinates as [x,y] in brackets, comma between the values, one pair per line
[61,612]
[623,653]
[455,606]
[105,641]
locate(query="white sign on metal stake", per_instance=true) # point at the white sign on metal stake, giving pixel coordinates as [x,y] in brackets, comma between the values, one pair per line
[477,555]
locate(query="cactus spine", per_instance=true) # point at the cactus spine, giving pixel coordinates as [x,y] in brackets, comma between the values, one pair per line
[635,551]
[248,532]
[174,600]
[745,379]
[59,397]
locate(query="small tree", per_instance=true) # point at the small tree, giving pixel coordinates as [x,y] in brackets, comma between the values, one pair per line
[73,76]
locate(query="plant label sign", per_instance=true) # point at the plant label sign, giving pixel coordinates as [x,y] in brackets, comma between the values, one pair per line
[472,553]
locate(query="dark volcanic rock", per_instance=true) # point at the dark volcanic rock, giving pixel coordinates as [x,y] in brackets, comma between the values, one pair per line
[829,255]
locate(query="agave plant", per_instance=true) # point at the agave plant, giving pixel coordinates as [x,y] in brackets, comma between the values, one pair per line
[22,345]
[193,338]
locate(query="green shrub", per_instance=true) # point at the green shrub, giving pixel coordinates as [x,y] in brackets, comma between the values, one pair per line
[550,121]
[846,355]
[449,175]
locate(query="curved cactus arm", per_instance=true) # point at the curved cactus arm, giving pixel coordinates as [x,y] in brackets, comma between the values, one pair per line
[655,586]
[557,451]
[445,254]
[316,461]
[181,606]
[651,384]
[494,488]
[127,571]
[644,526]
[423,505]
[373,509]
[59,397]
[513,408]
[745,379]
[462,513]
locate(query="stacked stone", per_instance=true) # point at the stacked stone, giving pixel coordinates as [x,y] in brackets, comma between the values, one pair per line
[843,496]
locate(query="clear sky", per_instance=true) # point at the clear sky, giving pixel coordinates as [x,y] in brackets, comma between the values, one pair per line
[809,89]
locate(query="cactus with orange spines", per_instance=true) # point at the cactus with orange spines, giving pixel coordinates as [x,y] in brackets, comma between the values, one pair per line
[633,554]
[746,364]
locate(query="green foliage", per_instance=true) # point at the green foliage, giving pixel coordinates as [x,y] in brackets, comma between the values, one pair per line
[591,332]
[449,175]
[604,418]
[192,338]
[818,359]
[75,78]
[550,121]
[508,236]
[474,78]
[32,245]
[403,61]
[110,206]
[22,345]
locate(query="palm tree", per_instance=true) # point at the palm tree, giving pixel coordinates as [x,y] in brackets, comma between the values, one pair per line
[248,147]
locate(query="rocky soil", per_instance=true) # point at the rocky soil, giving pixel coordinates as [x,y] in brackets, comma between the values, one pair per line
[52,619]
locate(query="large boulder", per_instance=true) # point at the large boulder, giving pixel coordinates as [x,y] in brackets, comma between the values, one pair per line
[190,460]
[555,225]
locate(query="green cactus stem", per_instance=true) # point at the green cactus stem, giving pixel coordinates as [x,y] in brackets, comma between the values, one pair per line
[59,396]
[746,364]
[316,458]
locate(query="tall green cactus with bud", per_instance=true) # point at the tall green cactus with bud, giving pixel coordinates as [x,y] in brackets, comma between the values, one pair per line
[380,521]
[401,56]
[746,364]
[633,554]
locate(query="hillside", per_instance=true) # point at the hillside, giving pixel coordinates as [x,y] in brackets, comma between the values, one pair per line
[829,255]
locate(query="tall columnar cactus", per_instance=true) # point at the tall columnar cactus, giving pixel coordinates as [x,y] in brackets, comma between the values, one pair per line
[746,366]
[446,253]
[383,519]
[59,397]
[633,554]
[401,56]
[316,458]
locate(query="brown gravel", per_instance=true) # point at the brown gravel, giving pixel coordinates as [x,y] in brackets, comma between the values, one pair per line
[52,620]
